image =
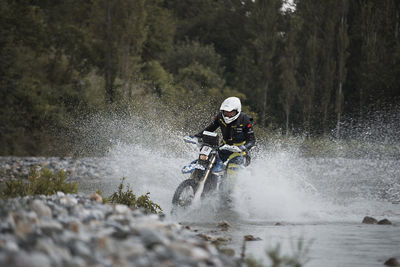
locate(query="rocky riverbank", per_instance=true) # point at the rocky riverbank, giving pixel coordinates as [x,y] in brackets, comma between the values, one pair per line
[76,168]
[75,230]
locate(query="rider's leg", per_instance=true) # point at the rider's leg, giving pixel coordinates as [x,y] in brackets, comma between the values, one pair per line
[236,160]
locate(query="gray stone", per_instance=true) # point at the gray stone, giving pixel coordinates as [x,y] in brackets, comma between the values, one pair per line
[24,259]
[151,238]
[40,208]
[57,232]
[76,262]
[49,227]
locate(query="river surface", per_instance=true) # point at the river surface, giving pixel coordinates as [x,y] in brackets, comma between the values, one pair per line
[283,199]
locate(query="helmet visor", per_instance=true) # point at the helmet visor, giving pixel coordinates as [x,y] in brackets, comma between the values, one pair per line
[229,114]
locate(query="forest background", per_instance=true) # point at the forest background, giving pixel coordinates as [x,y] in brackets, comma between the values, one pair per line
[307,70]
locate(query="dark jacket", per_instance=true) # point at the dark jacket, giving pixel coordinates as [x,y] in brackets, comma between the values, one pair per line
[238,132]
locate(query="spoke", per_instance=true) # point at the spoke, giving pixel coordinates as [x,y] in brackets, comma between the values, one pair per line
[186,196]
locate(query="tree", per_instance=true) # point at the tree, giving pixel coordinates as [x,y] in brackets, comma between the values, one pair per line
[342,44]
[263,20]
[119,32]
[289,63]
[197,68]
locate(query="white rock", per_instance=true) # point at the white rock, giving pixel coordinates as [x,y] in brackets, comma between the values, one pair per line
[122,209]
[11,246]
[199,254]
[68,201]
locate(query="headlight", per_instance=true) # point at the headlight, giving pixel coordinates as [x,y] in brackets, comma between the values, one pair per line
[203,157]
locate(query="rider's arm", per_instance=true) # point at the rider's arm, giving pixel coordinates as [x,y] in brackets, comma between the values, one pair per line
[211,128]
[249,132]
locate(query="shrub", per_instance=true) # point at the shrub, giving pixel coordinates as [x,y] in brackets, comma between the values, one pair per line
[129,198]
[43,182]
[298,259]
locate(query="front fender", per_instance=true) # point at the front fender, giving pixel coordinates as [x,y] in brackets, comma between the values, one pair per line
[193,166]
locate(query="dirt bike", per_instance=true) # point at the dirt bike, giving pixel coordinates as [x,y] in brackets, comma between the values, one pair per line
[207,173]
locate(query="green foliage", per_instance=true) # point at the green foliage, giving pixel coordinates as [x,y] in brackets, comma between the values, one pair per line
[297,259]
[43,182]
[129,198]
[144,202]
[14,188]
[252,262]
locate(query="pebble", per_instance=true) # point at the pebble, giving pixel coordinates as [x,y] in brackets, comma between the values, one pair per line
[251,238]
[48,231]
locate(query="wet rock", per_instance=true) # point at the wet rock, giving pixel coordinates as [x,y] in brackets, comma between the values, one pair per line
[251,238]
[392,262]
[278,224]
[224,225]
[385,222]
[223,239]
[369,220]
[228,251]
[207,237]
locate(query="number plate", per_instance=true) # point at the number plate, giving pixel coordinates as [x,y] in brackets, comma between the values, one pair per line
[205,150]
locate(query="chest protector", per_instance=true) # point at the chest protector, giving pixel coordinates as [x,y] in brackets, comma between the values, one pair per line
[236,132]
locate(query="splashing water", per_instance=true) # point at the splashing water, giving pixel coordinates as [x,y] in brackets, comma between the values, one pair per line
[319,197]
[280,184]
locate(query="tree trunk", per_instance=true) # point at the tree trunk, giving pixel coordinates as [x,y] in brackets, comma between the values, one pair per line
[287,111]
[264,106]
[342,56]
[125,73]
[108,54]
[339,108]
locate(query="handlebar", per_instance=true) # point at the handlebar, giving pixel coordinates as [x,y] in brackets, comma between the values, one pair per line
[230,148]
[191,140]
[196,141]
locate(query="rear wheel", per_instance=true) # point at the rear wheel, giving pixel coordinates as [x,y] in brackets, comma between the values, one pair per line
[184,194]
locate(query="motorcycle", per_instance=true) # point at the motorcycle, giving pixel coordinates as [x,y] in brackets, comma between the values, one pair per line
[207,172]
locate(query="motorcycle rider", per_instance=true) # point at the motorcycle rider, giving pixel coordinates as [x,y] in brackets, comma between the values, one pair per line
[237,129]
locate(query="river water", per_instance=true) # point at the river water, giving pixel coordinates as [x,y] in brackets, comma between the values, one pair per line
[282,198]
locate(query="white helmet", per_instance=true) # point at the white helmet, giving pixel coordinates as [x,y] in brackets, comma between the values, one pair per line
[230,104]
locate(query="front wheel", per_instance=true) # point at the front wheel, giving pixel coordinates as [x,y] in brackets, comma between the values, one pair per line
[184,194]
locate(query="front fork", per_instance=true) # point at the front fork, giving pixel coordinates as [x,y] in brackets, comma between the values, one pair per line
[200,188]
